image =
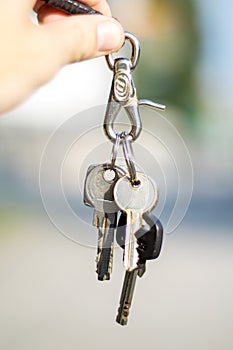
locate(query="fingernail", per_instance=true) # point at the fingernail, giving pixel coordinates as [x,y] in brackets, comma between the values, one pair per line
[110,35]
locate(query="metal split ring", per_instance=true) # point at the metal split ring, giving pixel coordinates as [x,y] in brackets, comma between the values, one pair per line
[135,52]
[126,141]
[115,149]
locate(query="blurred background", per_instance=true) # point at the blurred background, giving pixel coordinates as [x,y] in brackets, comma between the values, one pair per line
[49,295]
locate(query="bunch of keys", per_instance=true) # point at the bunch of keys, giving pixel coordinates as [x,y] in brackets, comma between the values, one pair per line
[122,197]
[122,211]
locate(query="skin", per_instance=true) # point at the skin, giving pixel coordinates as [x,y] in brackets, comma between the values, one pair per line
[32,54]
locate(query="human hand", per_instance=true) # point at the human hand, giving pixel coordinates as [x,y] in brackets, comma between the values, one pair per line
[31,55]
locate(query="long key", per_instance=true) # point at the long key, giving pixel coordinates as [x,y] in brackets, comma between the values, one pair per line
[98,193]
[134,201]
[149,239]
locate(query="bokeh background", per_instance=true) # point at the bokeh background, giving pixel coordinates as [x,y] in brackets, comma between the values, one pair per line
[49,295]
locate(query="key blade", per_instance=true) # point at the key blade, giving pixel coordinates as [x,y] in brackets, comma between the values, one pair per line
[131,257]
[99,219]
[105,249]
[126,297]
[105,253]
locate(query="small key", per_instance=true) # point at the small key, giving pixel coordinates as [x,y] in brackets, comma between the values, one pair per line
[134,201]
[98,193]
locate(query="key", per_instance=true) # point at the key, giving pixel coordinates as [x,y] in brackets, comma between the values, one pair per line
[149,239]
[98,193]
[134,201]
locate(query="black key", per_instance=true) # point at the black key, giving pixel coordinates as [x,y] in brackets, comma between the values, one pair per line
[150,241]
[149,237]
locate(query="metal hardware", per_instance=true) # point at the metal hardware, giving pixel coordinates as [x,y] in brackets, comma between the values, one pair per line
[129,158]
[123,93]
[115,150]
[135,52]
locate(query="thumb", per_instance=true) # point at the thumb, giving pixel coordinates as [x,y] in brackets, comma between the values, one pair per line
[77,38]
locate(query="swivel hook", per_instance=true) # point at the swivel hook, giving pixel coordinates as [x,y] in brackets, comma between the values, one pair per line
[123,93]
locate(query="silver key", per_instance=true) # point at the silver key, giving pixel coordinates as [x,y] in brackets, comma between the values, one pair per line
[98,193]
[134,200]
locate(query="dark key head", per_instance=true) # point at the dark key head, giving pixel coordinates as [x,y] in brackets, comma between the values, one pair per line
[150,238]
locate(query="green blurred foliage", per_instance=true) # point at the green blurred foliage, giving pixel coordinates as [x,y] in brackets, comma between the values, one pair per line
[169,56]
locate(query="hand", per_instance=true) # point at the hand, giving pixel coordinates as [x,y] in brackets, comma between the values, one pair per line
[32,54]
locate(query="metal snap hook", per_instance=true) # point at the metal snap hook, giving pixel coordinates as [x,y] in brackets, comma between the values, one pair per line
[123,93]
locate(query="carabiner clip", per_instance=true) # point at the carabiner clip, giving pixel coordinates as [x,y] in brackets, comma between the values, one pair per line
[123,93]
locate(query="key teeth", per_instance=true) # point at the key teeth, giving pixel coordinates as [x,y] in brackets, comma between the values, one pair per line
[104,269]
[106,277]
[122,317]
[104,257]
[131,256]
